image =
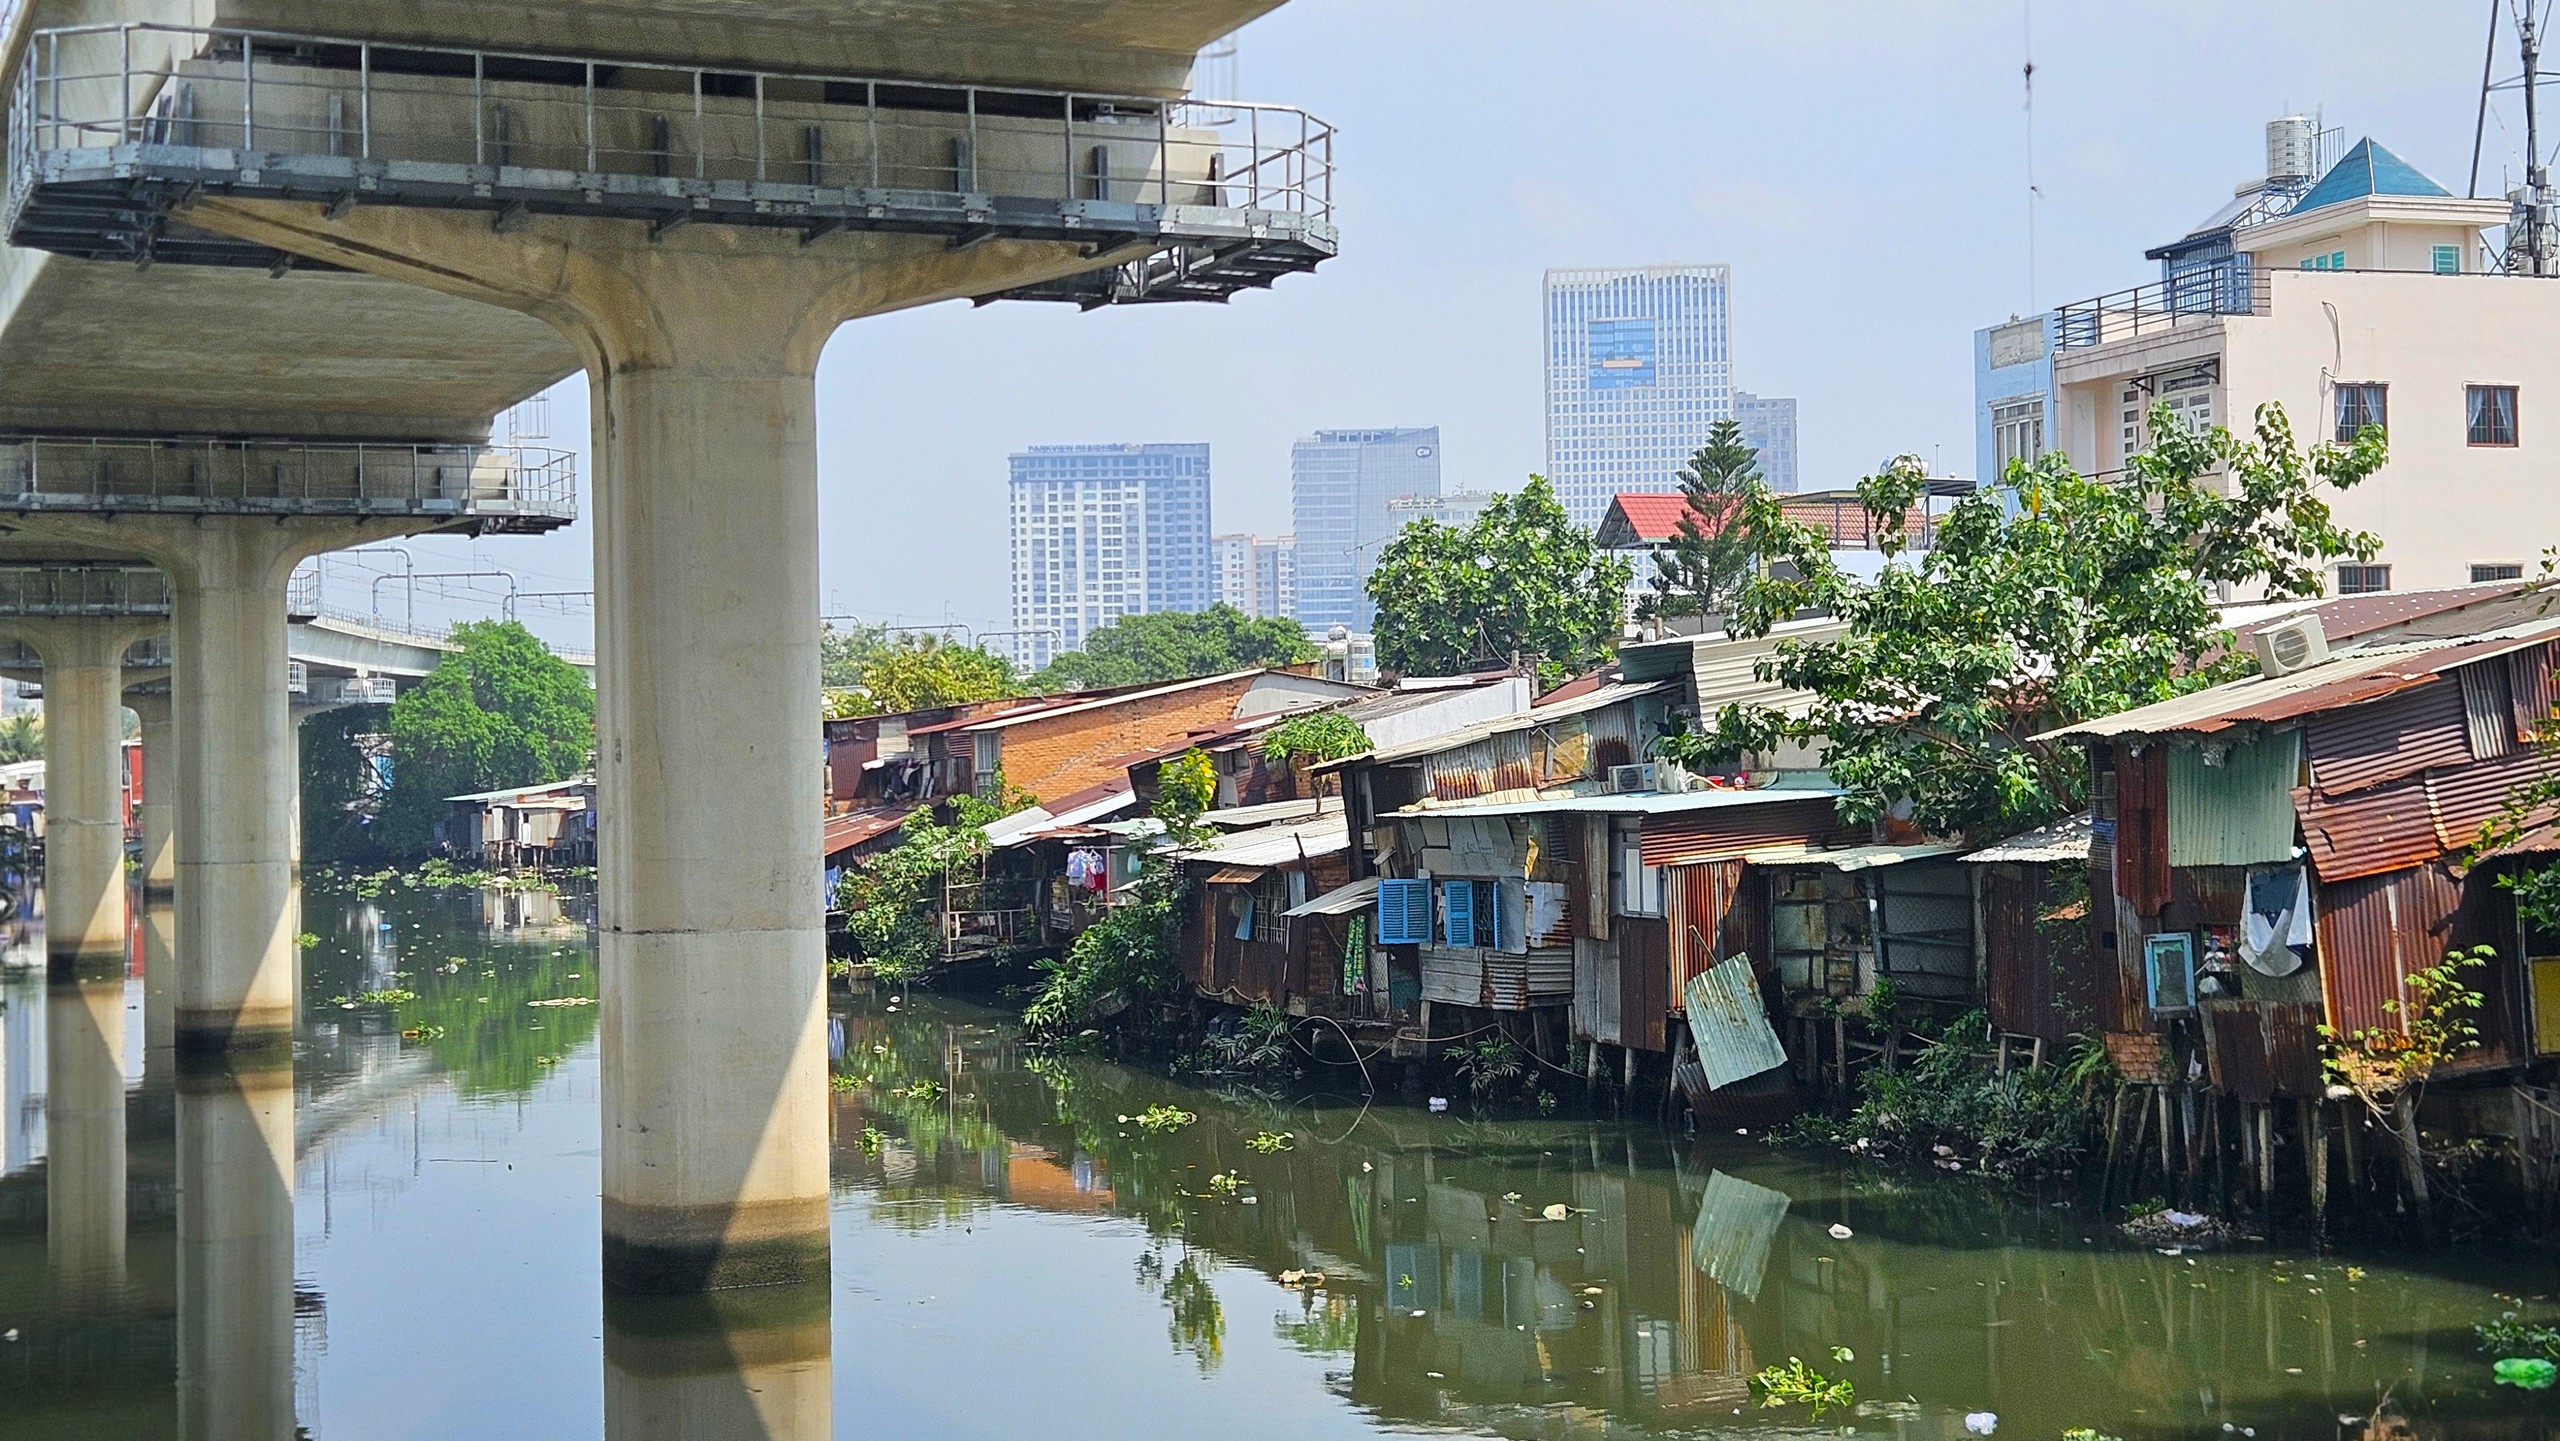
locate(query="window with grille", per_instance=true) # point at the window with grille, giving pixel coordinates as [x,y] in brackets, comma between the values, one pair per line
[2491,414]
[2360,403]
[2483,573]
[2363,579]
[1471,914]
[2447,259]
[2017,432]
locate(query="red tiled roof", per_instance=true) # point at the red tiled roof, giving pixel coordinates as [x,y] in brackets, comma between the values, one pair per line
[1643,518]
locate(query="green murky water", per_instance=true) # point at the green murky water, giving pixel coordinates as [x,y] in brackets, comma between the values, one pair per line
[398,1239]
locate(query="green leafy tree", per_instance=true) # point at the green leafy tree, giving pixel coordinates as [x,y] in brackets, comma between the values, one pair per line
[340,786]
[2048,599]
[1721,538]
[1522,579]
[914,672]
[1324,735]
[22,738]
[1129,956]
[501,711]
[1177,645]
[842,653]
[893,900]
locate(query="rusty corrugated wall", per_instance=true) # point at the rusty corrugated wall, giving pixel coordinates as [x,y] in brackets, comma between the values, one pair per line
[2373,931]
[1496,763]
[2142,826]
[2259,1050]
[2357,746]
[2043,979]
[1731,832]
[2488,711]
[2530,689]
[2415,819]
[1697,902]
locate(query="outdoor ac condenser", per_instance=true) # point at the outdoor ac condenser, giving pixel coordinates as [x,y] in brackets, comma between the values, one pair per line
[2289,645]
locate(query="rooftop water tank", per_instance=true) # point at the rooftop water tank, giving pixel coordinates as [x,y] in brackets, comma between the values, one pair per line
[2293,146]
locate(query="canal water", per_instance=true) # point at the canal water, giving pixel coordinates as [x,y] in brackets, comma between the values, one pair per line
[398,1238]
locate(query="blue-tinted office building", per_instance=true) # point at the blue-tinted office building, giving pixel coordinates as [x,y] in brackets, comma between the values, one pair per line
[1103,531]
[1344,489]
[1639,368]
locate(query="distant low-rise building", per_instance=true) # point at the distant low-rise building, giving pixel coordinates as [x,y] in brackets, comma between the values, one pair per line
[1257,574]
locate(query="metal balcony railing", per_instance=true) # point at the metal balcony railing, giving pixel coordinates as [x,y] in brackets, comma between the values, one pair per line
[478,487]
[2231,287]
[31,592]
[114,128]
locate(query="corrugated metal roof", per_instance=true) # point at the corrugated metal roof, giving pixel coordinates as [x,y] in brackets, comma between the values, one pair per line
[2238,812]
[1360,895]
[1730,833]
[1606,695]
[1852,858]
[1636,803]
[844,832]
[1025,826]
[2065,840]
[1247,817]
[1076,706]
[2414,819]
[1722,671]
[1281,845]
[2347,679]
[1730,1025]
[2401,735]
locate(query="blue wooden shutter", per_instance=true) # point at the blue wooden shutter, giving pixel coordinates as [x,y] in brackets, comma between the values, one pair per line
[1460,925]
[1404,913]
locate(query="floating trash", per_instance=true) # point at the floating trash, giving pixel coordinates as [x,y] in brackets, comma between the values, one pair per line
[2525,1373]
[1981,1423]
[1840,1232]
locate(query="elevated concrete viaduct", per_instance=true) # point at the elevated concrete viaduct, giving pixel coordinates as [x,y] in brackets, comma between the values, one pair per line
[684,198]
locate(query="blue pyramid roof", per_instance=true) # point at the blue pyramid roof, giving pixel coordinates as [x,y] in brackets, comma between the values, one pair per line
[2368,169]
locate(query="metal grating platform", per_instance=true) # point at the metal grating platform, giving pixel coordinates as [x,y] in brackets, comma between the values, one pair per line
[116,130]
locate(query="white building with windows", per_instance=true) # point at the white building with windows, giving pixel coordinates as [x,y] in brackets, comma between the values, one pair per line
[1257,574]
[2369,295]
[1639,367]
[1769,427]
[1103,531]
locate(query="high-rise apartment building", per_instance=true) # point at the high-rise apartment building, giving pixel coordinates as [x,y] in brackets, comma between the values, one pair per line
[1639,366]
[1344,483]
[1257,574]
[1769,427]
[1103,531]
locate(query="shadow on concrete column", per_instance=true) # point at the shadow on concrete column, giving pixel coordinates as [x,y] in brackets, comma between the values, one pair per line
[235,1248]
[157,808]
[84,874]
[736,1365]
[84,1123]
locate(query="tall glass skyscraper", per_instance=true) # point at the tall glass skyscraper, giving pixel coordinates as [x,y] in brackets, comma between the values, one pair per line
[1639,365]
[1343,483]
[1103,531]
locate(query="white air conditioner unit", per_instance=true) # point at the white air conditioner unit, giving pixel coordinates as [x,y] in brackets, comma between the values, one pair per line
[1623,779]
[2289,645]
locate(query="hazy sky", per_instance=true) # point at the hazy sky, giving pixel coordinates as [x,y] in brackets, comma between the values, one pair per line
[1863,169]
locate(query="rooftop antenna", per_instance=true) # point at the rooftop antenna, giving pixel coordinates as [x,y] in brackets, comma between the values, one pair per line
[2027,39]
[2533,220]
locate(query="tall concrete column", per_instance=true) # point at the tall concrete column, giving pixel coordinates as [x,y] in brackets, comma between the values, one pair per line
[84,1178]
[235,1250]
[701,350]
[158,808]
[236,767]
[84,873]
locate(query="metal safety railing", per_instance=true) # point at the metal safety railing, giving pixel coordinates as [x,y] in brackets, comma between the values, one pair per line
[490,125]
[2231,287]
[48,591]
[115,474]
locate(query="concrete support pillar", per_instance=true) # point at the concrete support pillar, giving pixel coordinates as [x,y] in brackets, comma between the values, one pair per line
[236,768]
[158,808]
[84,874]
[84,1177]
[235,1251]
[701,349]
[158,925]
[751,1363]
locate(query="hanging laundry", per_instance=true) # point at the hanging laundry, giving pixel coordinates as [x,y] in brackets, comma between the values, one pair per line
[2276,919]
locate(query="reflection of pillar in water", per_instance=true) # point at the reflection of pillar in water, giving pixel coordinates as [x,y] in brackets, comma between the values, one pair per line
[751,1364]
[159,986]
[84,1178]
[235,1250]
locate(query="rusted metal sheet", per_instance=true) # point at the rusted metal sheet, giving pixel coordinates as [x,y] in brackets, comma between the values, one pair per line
[1614,741]
[1730,1024]
[2488,711]
[1731,832]
[1644,983]
[1697,903]
[1497,980]
[2260,1050]
[2043,981]
[2375,930]
[2365,745]
[2530,689]
[2142,826]
[1500,762]
[2415,819]
[2233,806]
[1595,991]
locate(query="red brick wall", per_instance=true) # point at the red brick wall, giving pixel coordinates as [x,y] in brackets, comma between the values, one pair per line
[1063,754]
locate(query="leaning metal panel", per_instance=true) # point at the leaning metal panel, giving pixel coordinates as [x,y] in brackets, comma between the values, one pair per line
[48,592]
[480,488]
[115,130]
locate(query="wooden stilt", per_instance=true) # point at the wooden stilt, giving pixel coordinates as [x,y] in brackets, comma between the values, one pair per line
[2351,1123]
[2248,1147]
[1591,1068]
[2315,1150]
[2168,1156]
[2115,1145]
[1840,1054]
[1629,1054]
[2143,1112]
[2035,1055]
[2000,1066]
[2267,1155]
